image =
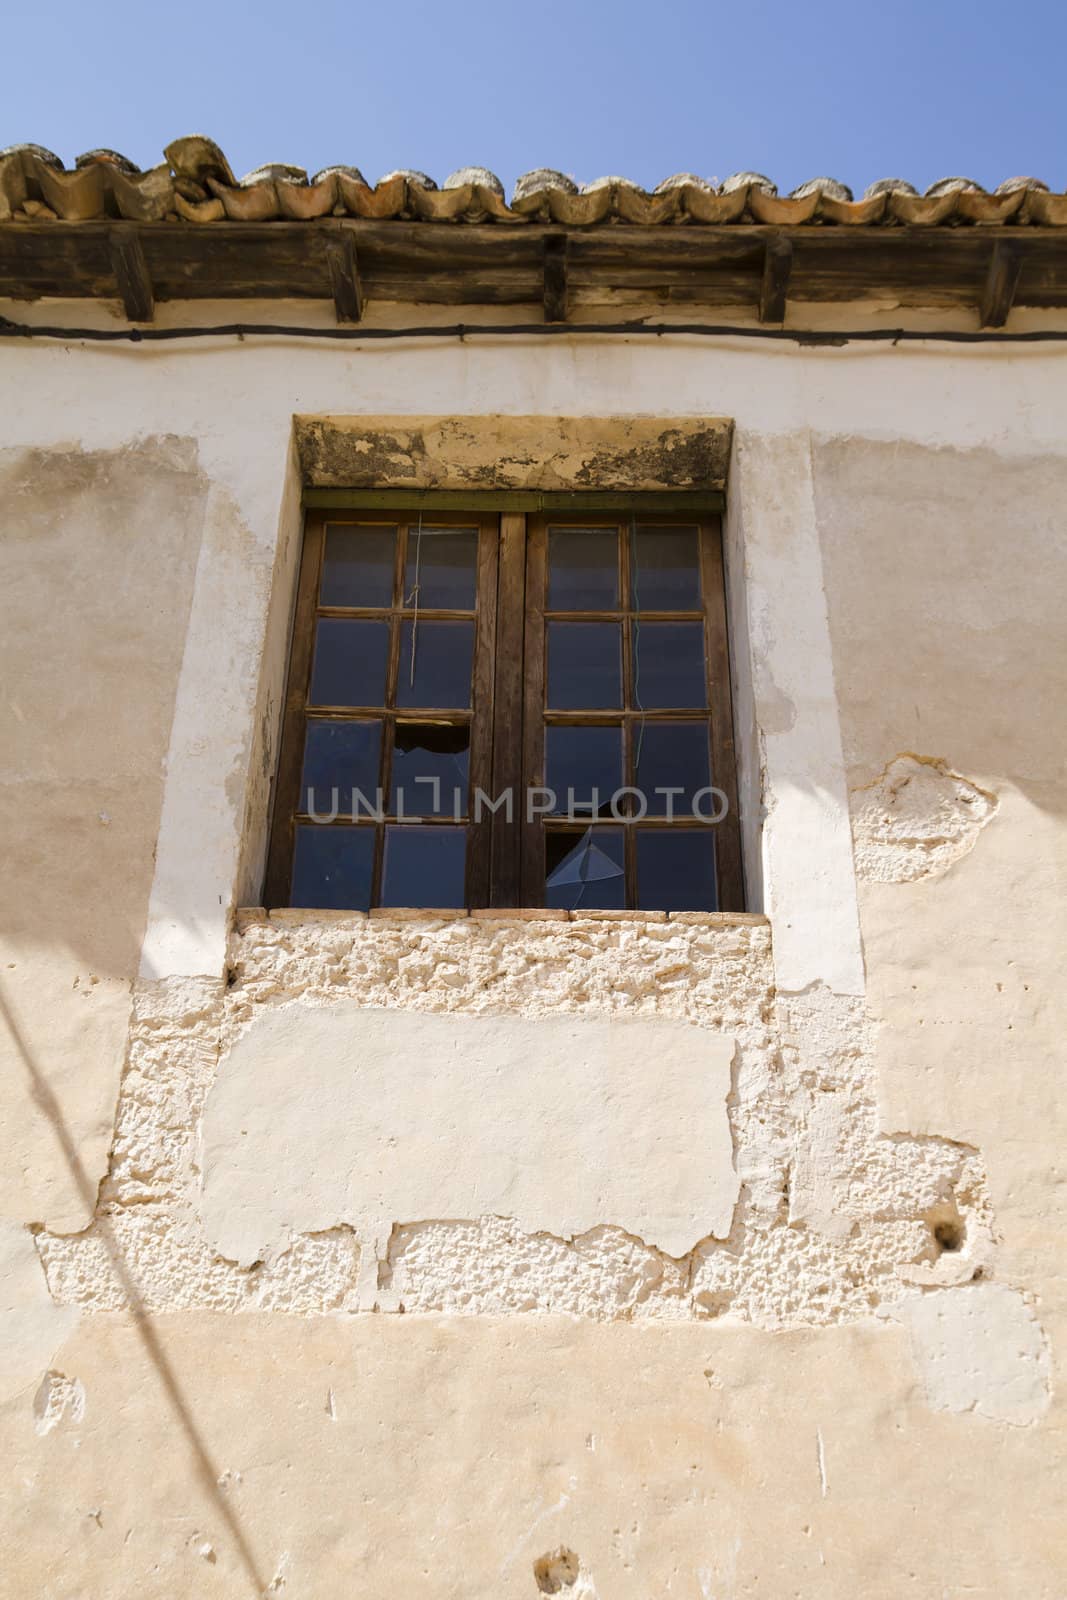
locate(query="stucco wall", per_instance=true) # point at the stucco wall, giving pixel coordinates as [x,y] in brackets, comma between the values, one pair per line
[100,550]
[809,1346]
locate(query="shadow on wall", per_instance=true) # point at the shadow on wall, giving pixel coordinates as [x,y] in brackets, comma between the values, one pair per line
[207,1470]
[945,574]
[101,550]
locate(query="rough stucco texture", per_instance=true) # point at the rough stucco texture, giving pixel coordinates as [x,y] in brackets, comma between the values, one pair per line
[100,551]
[915,820]
[833,1220]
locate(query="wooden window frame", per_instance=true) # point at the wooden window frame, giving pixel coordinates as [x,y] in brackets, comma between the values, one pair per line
[287,813]
[718,707]
[505,861]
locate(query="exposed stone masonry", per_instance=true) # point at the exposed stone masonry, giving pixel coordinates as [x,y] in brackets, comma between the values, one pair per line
[836,1219]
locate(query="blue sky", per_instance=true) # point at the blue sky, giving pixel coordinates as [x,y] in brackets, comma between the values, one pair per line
[919,89]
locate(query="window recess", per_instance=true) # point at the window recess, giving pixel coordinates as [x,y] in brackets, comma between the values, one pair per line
[511,709]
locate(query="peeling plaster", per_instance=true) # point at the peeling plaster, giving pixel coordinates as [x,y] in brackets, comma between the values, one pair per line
[58,1399]
[916,819]
[348,1115]
[796,1252]
[618,453]
[32,1325]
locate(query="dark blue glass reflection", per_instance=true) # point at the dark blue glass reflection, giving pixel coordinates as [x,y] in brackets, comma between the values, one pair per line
[350,662]
[425,866]
[676,869]
[672,755]
[341,757]
[443,654]
[333,868]
[669,665]
[666,571]
[442,565]
[583,569]
[358,566]
[583,760]
[584,666]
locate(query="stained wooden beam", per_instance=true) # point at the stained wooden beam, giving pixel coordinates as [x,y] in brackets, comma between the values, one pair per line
[655,502]
[132,277]
[555,270]
[774,288]
[618,265]
[344,277]
[1002,280]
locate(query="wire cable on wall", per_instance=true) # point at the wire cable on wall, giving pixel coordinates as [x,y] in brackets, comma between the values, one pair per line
[819,338]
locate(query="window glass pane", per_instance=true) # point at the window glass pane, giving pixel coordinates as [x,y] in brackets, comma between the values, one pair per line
[585,871]
[584,666]
[350,662]
[676,869]
[583,569]
[583,759]
[672,755]
[666,573]
[669,665]
[429,770]
[358,566]
[333,868]
[443,656]
[342,756]
[424,867]
[443,563]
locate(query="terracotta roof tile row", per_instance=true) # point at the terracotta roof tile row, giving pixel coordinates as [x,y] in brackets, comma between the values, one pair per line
[195,184]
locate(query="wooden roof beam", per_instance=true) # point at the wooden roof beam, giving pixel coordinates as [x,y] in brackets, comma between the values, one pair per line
[777,269]
[132,278]
[555,276]
[345,282]
[1002,280]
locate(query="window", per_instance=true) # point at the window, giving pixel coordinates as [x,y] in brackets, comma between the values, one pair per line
[508,710]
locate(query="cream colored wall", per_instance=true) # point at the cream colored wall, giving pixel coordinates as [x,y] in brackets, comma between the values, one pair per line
[100,552]
[815,1398]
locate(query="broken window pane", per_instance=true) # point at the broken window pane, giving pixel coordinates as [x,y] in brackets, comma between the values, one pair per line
[585,871]
[435,665]
[358,566]
[333,868]
[672,755]
[424,866]
[666,573]
[669,665]
[583,569]
[676,869]
[584,666]
[341,757]
[350,663]
[442,566]
[430,768]
[583,759]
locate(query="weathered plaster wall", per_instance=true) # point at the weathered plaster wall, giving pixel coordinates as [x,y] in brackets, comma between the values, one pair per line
[965,957]
[100,549]
[446,1456]
[233,1188]
[849,1384]
[515,452]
